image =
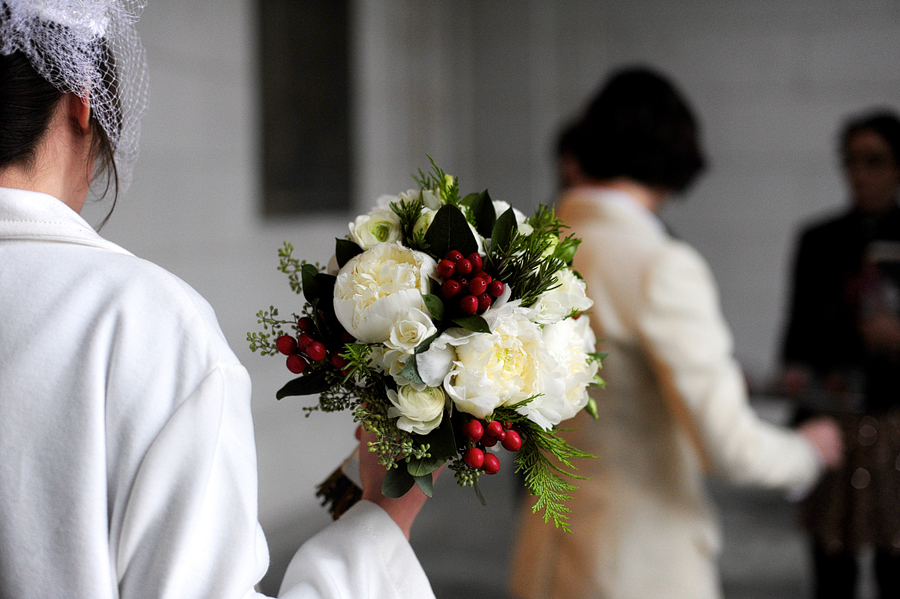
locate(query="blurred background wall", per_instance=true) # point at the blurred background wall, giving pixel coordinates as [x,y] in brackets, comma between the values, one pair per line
[483,87]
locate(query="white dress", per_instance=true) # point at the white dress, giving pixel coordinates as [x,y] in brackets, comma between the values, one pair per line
[127,456]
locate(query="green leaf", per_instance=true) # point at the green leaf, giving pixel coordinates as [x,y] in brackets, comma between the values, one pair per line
[426,483]
[565,249]
[344,250]
[485,216]
[423,466]
[435,306]
[312,383]
[397,482]
[450,231]
[503,232]
[467,201]
[591,408]
[473,323]
[410,372]
[441,441]
[317,285]
[478,492]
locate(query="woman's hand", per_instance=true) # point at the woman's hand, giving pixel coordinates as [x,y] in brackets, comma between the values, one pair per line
[402,510]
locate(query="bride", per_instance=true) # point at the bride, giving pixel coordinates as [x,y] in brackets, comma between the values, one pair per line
[128,463]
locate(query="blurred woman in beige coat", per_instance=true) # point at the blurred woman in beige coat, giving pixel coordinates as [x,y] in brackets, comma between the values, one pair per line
[675,406]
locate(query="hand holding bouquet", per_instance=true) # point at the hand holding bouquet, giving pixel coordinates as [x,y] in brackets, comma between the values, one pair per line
[450,326]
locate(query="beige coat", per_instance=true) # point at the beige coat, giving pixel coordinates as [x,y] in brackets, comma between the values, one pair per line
[675,406]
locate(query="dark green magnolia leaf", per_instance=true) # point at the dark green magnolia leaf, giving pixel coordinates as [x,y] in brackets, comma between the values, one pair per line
[312,383]
[397,482]
[426,483]
[450,231]
[317,285]
[427,343]
[344,250]
[435,306]
[410,372]
[485,216]
[441,441]
[473,323]
[467,201]
[503,231]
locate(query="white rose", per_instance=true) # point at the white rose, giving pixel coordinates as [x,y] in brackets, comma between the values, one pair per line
[568,296]
[568,342]
[419,411]
[499,368]
[408,333]
[380,286]
[379,226]
[424,221]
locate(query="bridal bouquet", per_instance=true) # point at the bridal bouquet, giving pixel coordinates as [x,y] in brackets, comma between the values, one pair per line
[450,326]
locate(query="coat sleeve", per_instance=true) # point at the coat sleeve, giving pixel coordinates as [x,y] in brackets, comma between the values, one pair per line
[685,334]
[364,554]
[191,528]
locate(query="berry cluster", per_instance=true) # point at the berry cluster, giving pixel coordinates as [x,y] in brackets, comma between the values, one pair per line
[488,435]
[464,280]
[306,348]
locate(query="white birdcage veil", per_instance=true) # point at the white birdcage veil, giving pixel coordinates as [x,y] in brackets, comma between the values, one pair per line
[90,48]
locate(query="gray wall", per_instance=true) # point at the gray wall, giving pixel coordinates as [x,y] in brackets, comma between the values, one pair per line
[483,87]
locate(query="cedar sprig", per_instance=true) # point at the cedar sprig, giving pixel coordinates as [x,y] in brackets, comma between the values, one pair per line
[542,476]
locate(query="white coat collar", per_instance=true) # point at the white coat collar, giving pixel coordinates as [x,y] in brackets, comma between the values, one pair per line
[35,216]
[618,203]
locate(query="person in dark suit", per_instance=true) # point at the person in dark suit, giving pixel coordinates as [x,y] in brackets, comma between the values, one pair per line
[842,356]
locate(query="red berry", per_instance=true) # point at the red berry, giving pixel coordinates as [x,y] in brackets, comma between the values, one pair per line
[450,288]
[473,431]
[338,362]
[316,351]
[463,267]
[487,278]
[286,344]
[304,341]
[296,364]
[495,429]
[468,304]
[463,282]
[454,256]
[491,464]
[347,337]
[475,259]
[474,457]
[484,302]
[489,441]
[446,268]
[306,324]
[512,442]
[496,288]
[477,286]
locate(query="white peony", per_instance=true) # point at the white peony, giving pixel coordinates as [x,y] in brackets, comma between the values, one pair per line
[379,287]
[499,368]
[568,343]
[419,411]
[428,197]
[568,296]
[379,226]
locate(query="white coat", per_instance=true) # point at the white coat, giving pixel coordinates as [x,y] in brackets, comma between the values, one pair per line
[675,406]
[127,455]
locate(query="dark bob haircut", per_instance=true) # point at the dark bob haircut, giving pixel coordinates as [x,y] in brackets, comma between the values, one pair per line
[638,126]
[883,122]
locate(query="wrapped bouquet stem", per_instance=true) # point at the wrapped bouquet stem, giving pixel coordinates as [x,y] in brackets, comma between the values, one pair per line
[449,326]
